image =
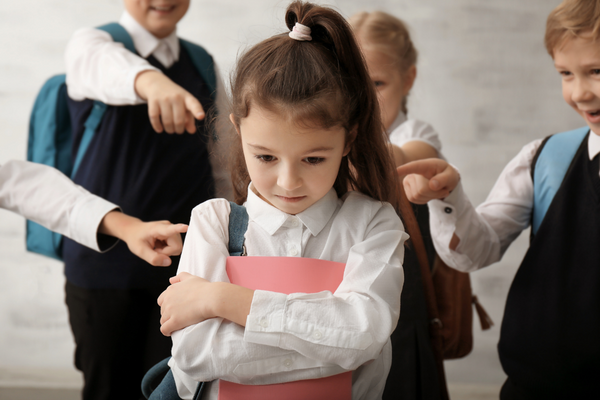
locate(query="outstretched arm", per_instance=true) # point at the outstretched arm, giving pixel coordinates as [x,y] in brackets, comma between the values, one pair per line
[100,69]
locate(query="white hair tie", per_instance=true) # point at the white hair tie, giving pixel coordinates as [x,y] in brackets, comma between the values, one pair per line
[300,32]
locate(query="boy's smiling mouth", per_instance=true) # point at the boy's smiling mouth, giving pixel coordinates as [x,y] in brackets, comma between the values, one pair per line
[162,8]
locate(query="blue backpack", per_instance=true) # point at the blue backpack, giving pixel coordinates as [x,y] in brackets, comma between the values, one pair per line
[549,168]
[50,137]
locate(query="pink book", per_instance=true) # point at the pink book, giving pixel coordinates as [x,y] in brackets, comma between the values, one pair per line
[288,275]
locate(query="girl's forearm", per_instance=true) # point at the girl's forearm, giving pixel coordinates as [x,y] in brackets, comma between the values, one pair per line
[232,302]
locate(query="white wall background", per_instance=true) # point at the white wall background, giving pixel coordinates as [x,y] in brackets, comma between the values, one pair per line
[485,82]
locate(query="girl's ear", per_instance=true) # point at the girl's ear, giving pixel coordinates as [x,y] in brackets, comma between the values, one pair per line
[232,119]
[350,140]
[409,79]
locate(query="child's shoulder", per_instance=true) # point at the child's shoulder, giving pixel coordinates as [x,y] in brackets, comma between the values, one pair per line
[213,210]
[359,206]
[414,129]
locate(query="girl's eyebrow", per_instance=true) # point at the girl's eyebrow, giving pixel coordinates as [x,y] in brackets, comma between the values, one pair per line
[313,150]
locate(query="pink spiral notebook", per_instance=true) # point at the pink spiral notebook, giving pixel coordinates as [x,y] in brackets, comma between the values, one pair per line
[288,275]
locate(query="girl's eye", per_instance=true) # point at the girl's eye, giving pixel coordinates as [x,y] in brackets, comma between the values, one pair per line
[379,83]
[596,71]
[265,158]
[565,73]
[314,160]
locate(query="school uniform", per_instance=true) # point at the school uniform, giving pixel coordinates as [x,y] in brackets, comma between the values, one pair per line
[298,336]
[49,198]
[112,297]
[548,343]
[414,374]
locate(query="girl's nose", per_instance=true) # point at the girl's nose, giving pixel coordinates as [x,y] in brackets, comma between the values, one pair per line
[289,178]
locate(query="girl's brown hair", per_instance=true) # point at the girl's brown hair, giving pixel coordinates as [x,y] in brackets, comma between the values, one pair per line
[571,19]
[319,83]
[389,34]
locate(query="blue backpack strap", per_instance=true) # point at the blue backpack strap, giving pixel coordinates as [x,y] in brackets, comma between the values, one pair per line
[238,225]
[120,35]
[550,169]
[204,64]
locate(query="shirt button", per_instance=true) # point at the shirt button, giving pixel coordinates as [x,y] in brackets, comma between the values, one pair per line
[287,363]
[317,335]
[264,323]
[448,210]
[294,223]
[293,251]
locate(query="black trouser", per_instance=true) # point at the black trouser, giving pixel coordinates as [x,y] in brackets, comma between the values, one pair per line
[575,391]
[117,339]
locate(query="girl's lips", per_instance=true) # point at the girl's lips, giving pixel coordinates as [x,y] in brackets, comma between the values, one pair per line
[290,199]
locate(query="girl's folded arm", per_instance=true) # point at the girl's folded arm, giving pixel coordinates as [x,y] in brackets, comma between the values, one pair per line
[287,335]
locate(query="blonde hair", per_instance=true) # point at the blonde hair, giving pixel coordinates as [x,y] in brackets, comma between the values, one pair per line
[389,34]
[571,19]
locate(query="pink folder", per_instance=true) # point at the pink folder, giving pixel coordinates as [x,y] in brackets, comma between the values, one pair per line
[288,275]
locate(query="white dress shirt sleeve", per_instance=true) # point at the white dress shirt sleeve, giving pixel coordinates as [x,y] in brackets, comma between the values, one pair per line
[46,196]
[415,130]
[100,69]
[486,232]
[297,336]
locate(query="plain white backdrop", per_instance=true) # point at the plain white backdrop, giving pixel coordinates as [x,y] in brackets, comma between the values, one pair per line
[485,82]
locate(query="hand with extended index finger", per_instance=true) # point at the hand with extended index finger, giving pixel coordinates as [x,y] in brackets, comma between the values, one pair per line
[428,179]
[170,107]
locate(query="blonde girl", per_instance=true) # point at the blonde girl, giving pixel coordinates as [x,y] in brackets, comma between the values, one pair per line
[391,58]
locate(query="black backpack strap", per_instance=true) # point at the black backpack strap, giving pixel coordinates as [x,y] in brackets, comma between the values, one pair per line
[238,225]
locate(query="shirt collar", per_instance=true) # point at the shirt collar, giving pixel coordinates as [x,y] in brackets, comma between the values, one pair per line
[593,145]
[272,219]
[400,119]
[146,43]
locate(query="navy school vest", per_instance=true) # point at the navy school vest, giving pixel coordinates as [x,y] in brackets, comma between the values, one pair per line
[549,343]
[150,176]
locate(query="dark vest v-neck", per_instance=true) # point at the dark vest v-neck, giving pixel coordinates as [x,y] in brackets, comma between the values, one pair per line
[149,175]
[550,336]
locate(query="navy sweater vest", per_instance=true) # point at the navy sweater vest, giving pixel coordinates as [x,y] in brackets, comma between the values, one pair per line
[550,336]
[149,175]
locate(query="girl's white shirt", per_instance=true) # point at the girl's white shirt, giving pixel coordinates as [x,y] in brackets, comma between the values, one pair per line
[298,336]
[404,130]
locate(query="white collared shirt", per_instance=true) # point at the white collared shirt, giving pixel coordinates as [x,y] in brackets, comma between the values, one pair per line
[279,343]
[46,196]
[486,232]
[404,130]
[100,69]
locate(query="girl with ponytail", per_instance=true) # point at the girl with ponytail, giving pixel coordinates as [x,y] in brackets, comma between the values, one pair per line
[311,166]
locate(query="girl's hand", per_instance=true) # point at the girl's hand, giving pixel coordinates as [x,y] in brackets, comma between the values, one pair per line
[428,179]
[190,300]
[184,303]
